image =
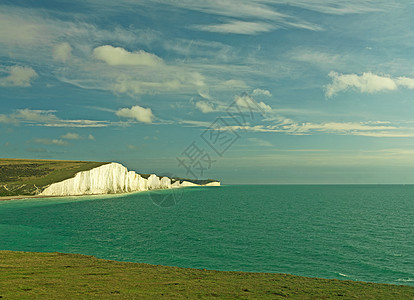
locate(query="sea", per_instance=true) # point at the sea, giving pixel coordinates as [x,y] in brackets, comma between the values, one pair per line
[349,232]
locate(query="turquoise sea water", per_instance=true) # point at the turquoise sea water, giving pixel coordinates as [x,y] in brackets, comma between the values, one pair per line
[363,232]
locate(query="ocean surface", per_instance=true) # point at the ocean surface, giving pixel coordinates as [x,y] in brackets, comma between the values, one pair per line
[355,232]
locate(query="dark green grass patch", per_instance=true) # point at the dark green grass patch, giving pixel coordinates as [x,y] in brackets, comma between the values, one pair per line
[27,275]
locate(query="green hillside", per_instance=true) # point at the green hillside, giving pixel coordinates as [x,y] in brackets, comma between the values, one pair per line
[30,176]
[29,275]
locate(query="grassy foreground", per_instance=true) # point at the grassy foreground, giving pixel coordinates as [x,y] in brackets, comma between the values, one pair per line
[31,176]
[30,275]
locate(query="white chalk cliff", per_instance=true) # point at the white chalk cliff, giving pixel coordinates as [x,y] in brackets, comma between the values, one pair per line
[112,178]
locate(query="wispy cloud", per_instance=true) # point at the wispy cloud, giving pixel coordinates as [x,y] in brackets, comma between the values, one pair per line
[369,129]
[231,8]
[260,142]
[194,123]
[280,124]
[62,52]
[238,27]
[365,83]
[90,57]
[251,17]
[315,57]
[46,118]
[242,103]
[333,7]
[58,142]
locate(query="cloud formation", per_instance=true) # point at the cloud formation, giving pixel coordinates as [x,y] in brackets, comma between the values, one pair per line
[365,83]
[117,56]
[18,76]
[138,113]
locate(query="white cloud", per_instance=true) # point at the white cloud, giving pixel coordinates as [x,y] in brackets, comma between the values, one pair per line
[62,52]
[204,106]
[258,92]
[247,102]
[238,27]
[91,137]
[117,56]
[405,82]
[57,142]
[365,83]
[138,113]
[18,76]
[71,136]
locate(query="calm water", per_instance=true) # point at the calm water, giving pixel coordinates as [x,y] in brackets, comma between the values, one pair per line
[345,232]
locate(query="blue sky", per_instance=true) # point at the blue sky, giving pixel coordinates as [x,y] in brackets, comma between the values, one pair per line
[259,91]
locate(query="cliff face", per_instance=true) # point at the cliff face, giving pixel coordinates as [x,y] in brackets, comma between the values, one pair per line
[110,179]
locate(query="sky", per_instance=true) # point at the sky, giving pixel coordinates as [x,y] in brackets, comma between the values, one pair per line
[258,91]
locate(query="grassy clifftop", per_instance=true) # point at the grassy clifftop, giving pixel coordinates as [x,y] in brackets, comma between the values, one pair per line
[70,276]
[29,176]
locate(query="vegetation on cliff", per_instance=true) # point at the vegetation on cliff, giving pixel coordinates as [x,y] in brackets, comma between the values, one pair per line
[31,176]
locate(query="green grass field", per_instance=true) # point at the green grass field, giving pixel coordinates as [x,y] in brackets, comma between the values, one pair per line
[30,275]
[30,176]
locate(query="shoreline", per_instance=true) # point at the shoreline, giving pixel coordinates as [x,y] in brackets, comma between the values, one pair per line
[21,197]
